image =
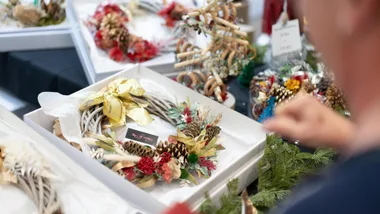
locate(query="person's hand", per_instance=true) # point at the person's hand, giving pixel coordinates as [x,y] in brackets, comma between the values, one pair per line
[313,124]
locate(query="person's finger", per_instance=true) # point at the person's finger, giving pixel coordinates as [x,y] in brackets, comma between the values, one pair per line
[284,126]
[293,107]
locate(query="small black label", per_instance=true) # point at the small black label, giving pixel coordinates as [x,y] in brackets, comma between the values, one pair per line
[142,137]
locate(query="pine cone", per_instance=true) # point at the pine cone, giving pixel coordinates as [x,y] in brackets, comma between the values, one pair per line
[110,21]
[123,38]
[281,93]
[211,132]
[335,98]
[176,150]
[111,25]
[192,129]
[138,149]
[324,84]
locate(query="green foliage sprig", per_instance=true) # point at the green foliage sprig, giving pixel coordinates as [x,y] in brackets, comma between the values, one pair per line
[230,203]
[281,168]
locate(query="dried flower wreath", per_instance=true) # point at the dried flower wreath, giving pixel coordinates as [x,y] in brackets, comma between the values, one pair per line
[225,55]
[192,150]
[111,34]
[30,173]
[270,88]
[44,14]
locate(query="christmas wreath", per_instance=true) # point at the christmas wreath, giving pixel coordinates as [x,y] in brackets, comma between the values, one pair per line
[189,153]
[108,27]
[269,88]
[22,166]
[226,52]
[41,14]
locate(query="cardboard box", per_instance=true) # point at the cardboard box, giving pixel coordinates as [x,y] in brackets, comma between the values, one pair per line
[243,139]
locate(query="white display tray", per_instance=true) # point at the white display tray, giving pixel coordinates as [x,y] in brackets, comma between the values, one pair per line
[35,38]
[243,139]
[80,192]
[96,63]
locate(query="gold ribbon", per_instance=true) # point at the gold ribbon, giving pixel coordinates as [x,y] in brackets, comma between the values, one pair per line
[118,102]
[122,165]
[147,182]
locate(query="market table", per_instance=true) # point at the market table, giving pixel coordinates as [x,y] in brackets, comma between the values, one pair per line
[28,73]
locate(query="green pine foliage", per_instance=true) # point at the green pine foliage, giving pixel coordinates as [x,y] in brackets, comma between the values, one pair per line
[280,169]
[246,75]
[230,203]
[260,54]
[268,198]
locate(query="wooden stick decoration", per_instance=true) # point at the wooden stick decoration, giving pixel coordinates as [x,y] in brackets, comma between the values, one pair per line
[227,44]
[198,12]
[186,54]
[191,62]
[225,29]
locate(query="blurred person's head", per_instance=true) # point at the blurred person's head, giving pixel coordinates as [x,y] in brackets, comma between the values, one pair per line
[347,33]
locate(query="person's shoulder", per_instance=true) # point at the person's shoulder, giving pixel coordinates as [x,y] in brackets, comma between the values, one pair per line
[349,187]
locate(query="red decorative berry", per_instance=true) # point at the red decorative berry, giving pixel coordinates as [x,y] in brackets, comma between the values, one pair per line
[146,165]
[142,51]
[272,78]
[116,54]
[187,111]
[165,157]
[224,96]
[189,119]
[129,173]
[167,10]
[206,163]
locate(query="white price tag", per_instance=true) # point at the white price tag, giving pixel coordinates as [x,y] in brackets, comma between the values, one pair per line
[286,38]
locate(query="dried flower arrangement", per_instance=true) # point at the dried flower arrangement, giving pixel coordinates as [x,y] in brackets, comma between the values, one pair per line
[270,88]
[225,55]
[44,14]
[108,26]
[191,151]
[22,166]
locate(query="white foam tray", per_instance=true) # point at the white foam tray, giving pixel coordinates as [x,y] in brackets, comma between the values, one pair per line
[96,63]
[243,139]
[79,191]
[35,38]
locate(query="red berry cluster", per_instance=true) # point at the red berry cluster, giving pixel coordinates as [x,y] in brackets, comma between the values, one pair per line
[136,49]
[129,173]
[142,51]
[206,163]
[146,165]
[165,157]
[165,13]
